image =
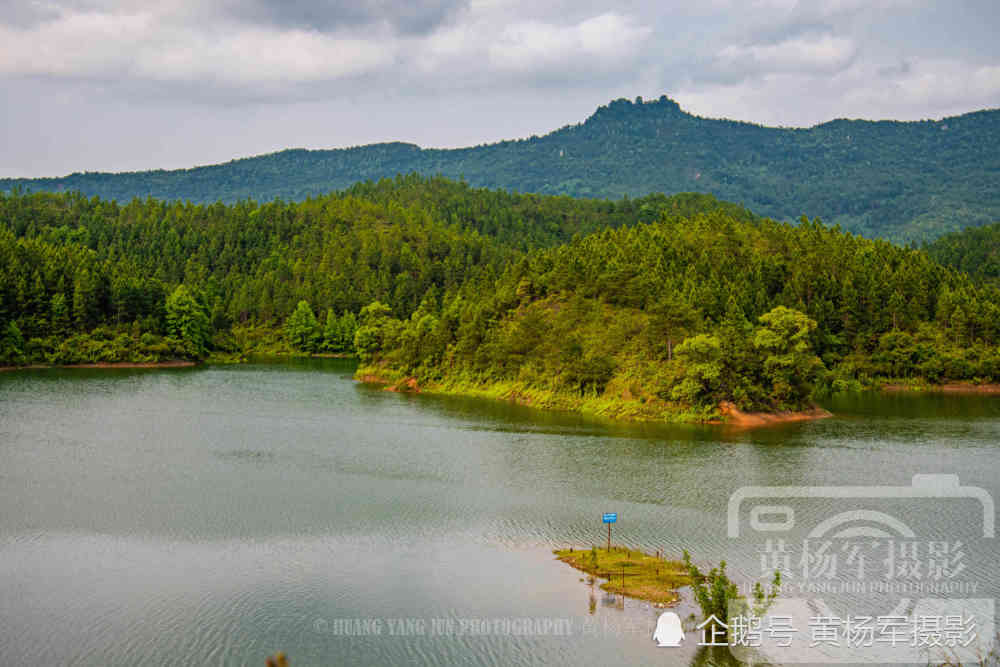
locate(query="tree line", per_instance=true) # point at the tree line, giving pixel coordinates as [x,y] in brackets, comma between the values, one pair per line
[84,279]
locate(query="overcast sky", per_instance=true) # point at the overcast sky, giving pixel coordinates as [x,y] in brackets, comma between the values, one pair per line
[116,85]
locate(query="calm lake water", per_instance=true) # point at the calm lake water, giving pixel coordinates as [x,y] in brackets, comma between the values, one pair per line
[216,515]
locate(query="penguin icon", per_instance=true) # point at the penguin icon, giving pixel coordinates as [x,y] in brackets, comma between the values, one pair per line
[668,630]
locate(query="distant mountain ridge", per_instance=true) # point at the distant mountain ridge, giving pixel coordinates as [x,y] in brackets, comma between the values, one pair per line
[903,181]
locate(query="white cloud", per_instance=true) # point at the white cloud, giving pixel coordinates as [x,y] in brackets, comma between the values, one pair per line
[813,53]
[265,56]
[74,44]
[601,42]
[175,43]
[149,46]
[943,83]
[916,90]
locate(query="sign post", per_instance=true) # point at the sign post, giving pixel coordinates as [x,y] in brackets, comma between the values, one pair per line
[610,518]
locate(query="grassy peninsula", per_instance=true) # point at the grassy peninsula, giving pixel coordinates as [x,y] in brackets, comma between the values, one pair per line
[693,319]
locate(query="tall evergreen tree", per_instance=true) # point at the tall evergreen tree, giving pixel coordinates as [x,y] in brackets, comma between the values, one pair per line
[187,321]
[302,329]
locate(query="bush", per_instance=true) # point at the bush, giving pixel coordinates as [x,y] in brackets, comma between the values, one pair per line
[715,593]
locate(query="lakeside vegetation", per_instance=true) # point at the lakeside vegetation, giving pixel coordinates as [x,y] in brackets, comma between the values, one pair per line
[901,181]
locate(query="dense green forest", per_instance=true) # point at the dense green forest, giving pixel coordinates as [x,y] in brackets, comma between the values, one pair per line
[975,250]
[902,181]
[87,280]
[668,319]
[657,307]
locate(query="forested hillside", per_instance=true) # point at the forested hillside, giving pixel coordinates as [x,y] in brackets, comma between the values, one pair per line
[658,307]
[670,319]
[901,181]
[975,251]
[87,280]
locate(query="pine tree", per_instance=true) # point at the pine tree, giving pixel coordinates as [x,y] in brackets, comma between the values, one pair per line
[348,326]
[84,301]
[59,315]
[302,330]
[188,322]
[332,332]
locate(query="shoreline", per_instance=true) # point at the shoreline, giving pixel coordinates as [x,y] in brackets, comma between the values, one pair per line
[736,417]
[175,363]
[731,416]
[947,388]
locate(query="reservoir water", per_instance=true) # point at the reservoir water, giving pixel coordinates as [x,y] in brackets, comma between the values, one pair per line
[216,515]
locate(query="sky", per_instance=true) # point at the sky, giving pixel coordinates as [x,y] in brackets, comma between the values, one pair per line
[119,85]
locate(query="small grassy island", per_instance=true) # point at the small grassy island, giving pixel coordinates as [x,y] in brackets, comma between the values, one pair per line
[645,577]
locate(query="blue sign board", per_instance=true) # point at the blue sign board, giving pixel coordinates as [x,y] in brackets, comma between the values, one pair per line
[610,517]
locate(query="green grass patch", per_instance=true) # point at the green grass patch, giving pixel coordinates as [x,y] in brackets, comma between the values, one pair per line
[590,404]
[646,577]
